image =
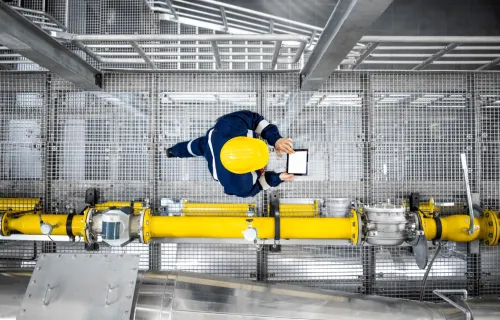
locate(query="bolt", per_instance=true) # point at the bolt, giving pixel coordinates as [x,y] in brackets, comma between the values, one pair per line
[147,222]
[34,281]
[126,312]
[29,295]
[490,235]
[128,297]
[354,224]
[487,215]
[490,223]
[24,310]
[353,236]
[131,282]
[487,242]
[147,234]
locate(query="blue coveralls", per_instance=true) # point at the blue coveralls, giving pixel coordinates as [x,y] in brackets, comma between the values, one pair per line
[237,124]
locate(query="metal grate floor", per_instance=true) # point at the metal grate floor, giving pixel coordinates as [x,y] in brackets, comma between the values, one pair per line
[372,135]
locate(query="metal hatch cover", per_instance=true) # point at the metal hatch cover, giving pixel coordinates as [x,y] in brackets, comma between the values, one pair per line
[81,286]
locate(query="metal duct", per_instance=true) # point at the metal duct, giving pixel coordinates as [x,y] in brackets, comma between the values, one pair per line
[191,296]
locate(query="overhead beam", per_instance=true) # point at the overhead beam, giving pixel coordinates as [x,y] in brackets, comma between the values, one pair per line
[20,35]
[489,65]
[215,48]
[436,56]
[365,55]
[276,53]
[348,23]
[143,54]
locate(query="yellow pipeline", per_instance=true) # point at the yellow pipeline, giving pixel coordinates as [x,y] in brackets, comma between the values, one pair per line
[241,209]
[299,209]
[19,204]
[455,228]
[30,224]
[216,209]
[232,227]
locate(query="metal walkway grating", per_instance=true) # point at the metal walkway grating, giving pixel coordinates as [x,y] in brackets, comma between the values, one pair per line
[374,135]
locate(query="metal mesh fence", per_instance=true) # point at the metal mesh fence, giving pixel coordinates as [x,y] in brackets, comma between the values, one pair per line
[372,136]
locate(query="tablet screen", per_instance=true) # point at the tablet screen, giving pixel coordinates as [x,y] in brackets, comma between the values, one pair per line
[297,162]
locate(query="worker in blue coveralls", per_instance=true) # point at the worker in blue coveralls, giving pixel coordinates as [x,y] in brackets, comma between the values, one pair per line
[236,157]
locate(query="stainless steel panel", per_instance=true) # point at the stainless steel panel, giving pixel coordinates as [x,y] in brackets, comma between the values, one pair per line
[82,286]
[13,285]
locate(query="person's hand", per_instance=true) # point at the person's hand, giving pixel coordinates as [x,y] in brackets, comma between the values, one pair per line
[287,176]
[285,145]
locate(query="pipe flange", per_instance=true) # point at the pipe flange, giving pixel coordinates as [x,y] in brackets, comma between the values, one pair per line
[89,237]
[4,230]
[145,226]
[356,227]
[493,228]
[419,228]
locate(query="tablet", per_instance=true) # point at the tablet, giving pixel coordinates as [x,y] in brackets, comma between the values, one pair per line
[296,163]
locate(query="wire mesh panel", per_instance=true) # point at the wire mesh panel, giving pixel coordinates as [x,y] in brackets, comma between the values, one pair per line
[101,140]
[487,98]
[228,260]
[324,267]
[328,122]
[421,125]
[397,275]
[490,273]
[22,134]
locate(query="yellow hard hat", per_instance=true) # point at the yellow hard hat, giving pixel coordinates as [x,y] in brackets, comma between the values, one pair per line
[242,155]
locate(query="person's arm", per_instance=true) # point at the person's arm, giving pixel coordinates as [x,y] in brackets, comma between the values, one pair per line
[247,120]
[187,149]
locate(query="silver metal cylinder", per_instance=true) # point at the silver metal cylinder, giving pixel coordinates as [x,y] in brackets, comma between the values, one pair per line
[177,296]
[386,224]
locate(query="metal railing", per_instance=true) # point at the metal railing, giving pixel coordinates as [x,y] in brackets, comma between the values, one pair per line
[152,50]
[223,17]
[42,19]
[428,52]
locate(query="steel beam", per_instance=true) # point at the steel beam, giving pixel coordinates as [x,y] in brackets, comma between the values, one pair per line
[142,54]
[347,24]
[364,55]
[20,35]
[489,65]
[172,10]
[276,53]
[436,56]
[224,18]
[431,39]
[215,49]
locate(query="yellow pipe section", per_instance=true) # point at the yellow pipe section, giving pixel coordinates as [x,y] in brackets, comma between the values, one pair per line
[299,209]
[216,209]
[18,204]
[232,227]
[455,228]
[30,224]
[241,209]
